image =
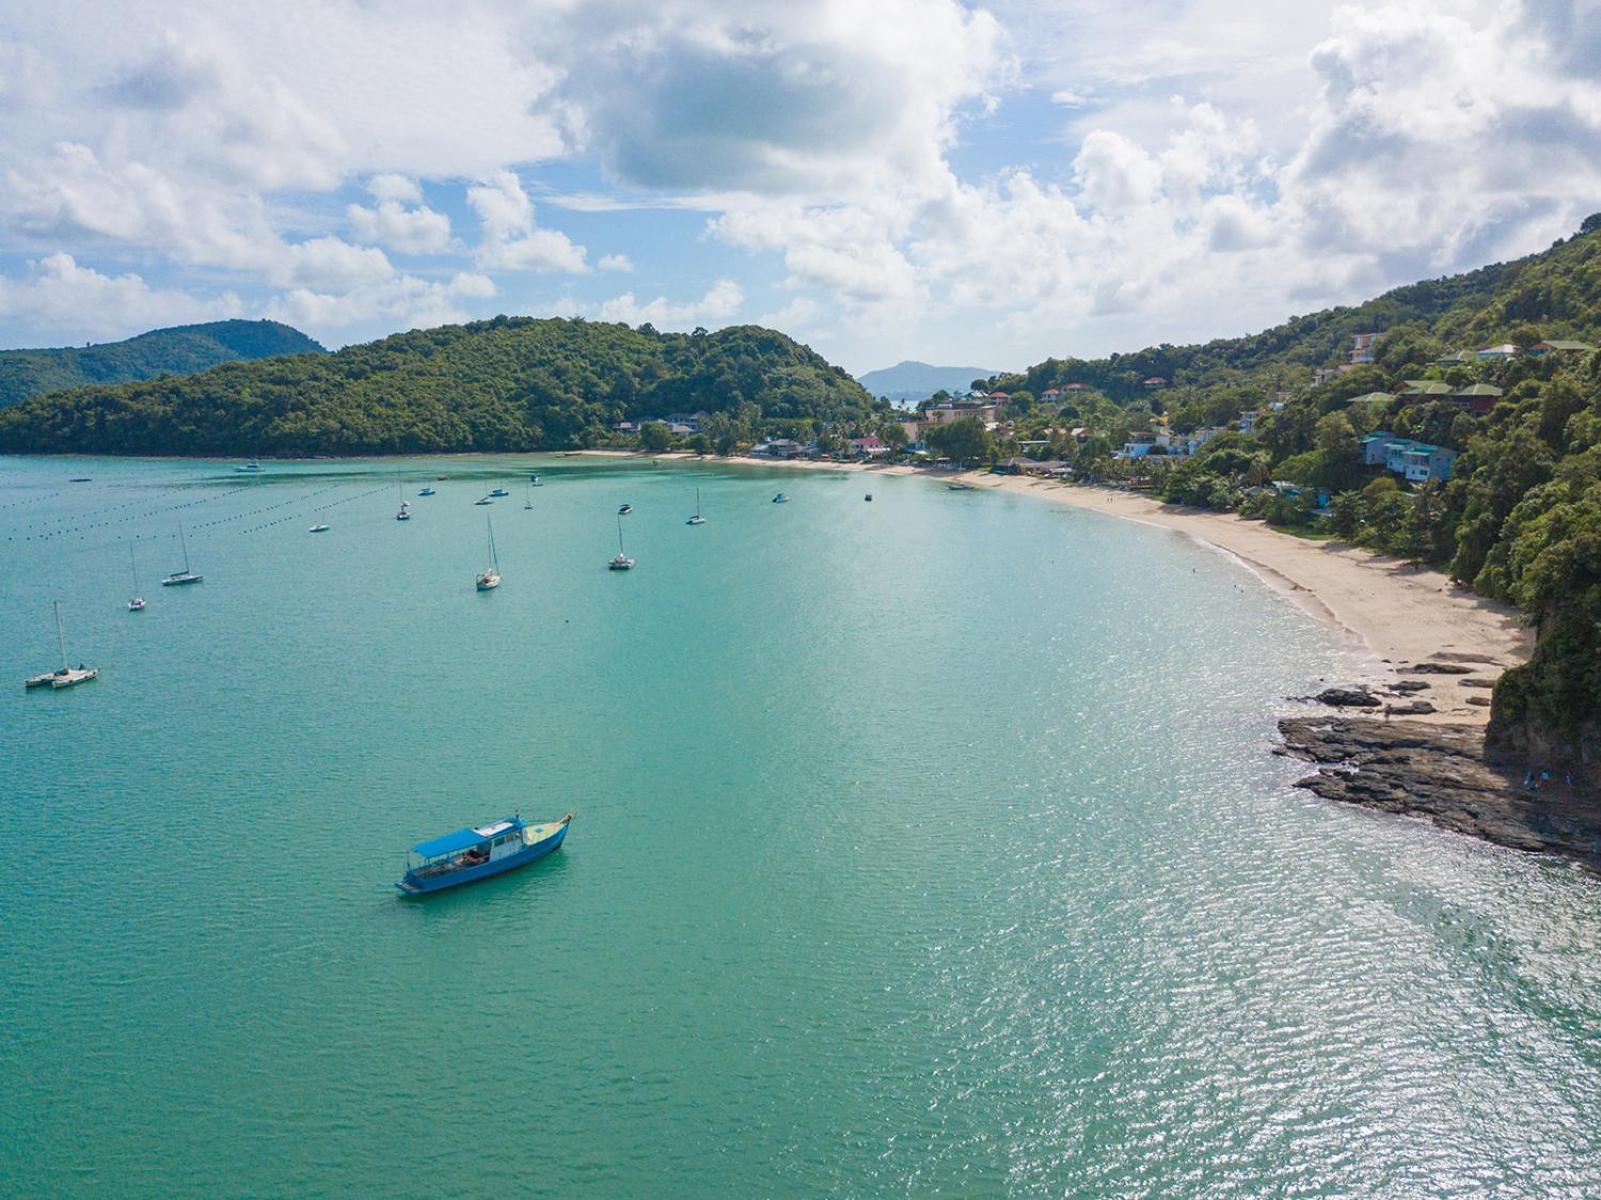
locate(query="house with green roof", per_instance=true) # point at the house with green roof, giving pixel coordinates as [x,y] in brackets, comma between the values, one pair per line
[1540,349]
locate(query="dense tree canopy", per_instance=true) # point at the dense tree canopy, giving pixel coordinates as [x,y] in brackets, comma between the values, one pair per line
[506,384]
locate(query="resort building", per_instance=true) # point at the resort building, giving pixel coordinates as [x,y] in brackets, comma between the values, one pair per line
[1424,462]
[1415,461]
[1373,447]
[1248,419]
[956,410]
[1540,349]
[1362,347]
[779,448]
[1478,399]
[1499,353]
[870,447]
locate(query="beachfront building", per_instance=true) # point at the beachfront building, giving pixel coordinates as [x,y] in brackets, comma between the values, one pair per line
[956,410]
[1143,442]
[869,447]
[779,448]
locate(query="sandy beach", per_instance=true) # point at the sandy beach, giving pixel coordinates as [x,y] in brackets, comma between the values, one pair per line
[1396,615]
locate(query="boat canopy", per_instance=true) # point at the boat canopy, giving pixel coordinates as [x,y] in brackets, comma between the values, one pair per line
[462,839]
[451,843]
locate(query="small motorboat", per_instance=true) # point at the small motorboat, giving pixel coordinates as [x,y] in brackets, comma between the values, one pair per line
[868,497]
[81,479]
[137,604]
[252,465]
[319,528]
[441,477]
[959,487]
[426,492]
[533,481]
[479,852]
[498,492]
[624,510]
[780,499]
[483,500]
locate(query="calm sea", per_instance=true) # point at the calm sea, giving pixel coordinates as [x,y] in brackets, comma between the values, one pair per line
[930,846]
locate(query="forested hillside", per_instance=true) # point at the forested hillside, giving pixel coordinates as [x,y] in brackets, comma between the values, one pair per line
[181,350]
[513,383]
[1517,436]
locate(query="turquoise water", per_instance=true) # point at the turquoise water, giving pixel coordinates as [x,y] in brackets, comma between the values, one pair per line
[928,846]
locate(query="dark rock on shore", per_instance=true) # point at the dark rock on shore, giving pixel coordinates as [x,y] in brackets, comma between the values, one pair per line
[1336,697]
[1402,686]
[1437,668]
[1442,772]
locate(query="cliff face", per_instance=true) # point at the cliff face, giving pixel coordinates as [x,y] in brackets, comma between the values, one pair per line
[1527,729]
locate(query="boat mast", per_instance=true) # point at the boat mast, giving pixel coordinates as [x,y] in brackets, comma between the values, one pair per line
[61,636]
[697,502]
[494,558]
[133,567]
[619,533]
[184,542]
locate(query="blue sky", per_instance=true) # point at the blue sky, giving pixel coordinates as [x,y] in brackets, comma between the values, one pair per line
[908,179]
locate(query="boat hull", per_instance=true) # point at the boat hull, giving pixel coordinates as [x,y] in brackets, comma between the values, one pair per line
[412,886]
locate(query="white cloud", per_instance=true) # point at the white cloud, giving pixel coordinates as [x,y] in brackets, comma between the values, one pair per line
[615,262]
[511,240]
[721,301]
[404,301]
[415,230]
[56,290]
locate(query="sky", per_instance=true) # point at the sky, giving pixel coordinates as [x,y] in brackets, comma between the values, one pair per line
[957,183]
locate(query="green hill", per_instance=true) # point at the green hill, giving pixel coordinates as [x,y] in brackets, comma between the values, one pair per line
[1519,518]
[182,350]
[513,383]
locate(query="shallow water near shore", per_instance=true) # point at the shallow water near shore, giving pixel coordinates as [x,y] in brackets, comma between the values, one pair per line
[924,846]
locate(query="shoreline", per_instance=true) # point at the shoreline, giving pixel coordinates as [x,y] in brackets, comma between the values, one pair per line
[1393,617]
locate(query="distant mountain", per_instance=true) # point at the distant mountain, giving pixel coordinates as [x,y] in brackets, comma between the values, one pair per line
[182,350]
[919,380]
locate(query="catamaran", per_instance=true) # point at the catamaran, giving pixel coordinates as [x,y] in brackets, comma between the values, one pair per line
[697,519]
[622,562]
[137,602]
[469,855]
[500,491]
[67,676]
[427,491]
[490,577]
[319,527]
[178,578]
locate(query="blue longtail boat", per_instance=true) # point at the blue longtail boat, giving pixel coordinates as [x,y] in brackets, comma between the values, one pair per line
[469,855]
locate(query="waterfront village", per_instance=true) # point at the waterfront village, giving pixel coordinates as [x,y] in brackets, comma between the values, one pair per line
[1134,433]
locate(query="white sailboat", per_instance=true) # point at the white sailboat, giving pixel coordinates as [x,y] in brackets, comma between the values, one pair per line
[177,578]
[490,578]
[529,493]
[622,562]
[67,676]
[137,602]
[405,505]
[697,519]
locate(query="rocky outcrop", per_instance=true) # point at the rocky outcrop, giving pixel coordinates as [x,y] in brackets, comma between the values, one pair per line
[1442,772]
[1338,697]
